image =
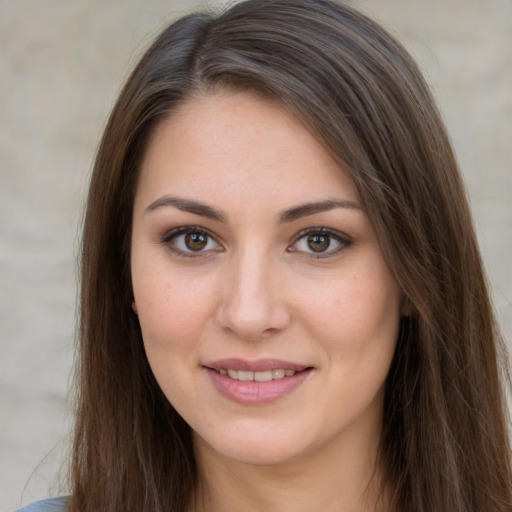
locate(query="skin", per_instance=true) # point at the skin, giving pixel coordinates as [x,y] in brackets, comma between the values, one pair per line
[258,290]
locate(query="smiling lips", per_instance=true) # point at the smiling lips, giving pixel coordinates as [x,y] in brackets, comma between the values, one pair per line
[254,383]
[265,376]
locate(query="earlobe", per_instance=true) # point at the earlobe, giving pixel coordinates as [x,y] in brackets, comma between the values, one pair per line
[134,307]
[406,307]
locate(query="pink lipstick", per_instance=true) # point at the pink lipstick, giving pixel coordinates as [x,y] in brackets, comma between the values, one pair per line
[256,382]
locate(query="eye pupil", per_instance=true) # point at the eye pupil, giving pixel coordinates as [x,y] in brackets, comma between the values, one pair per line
[196,241]
[318,243]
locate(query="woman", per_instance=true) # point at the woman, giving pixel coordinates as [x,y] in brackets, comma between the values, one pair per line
[283,303]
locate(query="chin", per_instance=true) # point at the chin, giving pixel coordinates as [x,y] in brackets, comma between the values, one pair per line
[262,450]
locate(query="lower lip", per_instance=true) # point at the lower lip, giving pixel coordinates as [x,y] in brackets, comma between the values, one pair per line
[253,392]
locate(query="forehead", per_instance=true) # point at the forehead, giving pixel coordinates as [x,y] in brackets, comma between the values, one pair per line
[239,143]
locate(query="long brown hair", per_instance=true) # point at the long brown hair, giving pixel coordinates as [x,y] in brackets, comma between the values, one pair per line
[444,444]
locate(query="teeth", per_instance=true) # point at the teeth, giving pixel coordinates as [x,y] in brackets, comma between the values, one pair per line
[245,375]
[278,374]
[265,376]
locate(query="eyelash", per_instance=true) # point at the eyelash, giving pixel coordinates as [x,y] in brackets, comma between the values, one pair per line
[343,240]
[171,236]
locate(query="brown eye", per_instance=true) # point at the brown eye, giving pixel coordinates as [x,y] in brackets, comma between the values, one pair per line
[196,241]
[319,243]
[191,241]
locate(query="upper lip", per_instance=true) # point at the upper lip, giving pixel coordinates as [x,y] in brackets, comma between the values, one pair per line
[258,365]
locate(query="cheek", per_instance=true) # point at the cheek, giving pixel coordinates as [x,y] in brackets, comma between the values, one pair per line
[173,315]
[356,314]
[172,311]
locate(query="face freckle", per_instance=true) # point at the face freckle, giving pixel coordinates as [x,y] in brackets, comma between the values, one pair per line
[230,293]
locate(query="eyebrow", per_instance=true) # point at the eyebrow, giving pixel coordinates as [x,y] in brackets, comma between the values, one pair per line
[188,205]
[294,213]
[304,210]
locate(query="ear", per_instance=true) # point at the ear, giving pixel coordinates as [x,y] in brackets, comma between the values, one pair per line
[406,306]
[134,307]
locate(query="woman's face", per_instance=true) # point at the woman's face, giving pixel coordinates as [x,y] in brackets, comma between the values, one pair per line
[268,313]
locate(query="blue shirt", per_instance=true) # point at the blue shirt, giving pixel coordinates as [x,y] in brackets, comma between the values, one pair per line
[50,505]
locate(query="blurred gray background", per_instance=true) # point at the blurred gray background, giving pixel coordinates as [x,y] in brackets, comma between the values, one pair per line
[62,64]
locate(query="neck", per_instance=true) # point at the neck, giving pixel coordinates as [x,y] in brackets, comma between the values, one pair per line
[341,479]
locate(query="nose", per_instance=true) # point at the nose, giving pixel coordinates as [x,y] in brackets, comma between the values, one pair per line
[252,303]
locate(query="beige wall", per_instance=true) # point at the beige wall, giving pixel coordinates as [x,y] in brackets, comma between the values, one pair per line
[62,64]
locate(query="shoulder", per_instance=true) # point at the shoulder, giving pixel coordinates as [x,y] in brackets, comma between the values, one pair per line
[50,505]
